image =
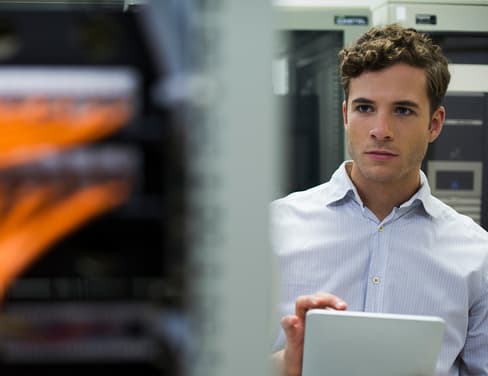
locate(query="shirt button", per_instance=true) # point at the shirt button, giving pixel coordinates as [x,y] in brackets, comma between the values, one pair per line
[381,228]
[376,280]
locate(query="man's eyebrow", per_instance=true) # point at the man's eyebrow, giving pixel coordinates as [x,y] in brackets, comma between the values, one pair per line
[362,100]
[407,103]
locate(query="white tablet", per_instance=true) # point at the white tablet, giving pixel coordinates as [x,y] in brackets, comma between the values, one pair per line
[344,343]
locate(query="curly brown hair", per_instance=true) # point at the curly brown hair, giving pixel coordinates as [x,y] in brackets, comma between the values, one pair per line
[383,47]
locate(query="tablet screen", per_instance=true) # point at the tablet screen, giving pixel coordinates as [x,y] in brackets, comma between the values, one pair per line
[339,343]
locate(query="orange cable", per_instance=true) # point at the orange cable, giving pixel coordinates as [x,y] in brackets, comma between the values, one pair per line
[26,244]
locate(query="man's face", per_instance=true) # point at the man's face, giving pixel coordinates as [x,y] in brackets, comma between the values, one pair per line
[389,126]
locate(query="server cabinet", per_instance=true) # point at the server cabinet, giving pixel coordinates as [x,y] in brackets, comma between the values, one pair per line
[87,283]
[308,87]
[456,163]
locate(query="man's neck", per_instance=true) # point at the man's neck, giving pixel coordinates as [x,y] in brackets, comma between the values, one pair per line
[380,197]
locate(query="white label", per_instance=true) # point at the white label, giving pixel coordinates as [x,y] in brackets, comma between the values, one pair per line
[400,13]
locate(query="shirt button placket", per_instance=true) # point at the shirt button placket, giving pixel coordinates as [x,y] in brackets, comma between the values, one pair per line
[377,280]
[374,291]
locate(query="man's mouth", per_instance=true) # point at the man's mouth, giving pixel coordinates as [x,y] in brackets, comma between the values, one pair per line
[381,154]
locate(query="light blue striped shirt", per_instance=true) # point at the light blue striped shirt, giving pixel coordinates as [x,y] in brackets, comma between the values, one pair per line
[424,258]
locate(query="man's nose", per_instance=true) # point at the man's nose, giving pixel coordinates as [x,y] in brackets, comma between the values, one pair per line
[382,128]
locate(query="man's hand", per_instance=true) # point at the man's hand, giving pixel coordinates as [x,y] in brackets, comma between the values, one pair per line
[289,360]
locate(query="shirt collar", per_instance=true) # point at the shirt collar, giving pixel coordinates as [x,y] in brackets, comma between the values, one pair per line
[342,187]
[424,196]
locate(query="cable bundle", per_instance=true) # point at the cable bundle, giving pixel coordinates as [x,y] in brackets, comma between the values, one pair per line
[32,127]
[51,183]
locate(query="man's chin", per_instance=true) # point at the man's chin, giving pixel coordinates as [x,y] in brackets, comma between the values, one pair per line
[379,174]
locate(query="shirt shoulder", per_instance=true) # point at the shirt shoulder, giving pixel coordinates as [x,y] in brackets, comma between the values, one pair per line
[465,225]
[316,197]
[302,201]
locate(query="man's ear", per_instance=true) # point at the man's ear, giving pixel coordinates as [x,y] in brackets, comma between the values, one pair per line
[344,113]
[436,123]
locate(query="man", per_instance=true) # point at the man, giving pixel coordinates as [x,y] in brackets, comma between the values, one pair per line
[373,238]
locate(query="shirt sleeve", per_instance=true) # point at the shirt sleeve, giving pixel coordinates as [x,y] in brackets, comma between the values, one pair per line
[474,358]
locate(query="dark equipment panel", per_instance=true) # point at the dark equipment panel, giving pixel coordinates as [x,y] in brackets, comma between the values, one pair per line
[129,261]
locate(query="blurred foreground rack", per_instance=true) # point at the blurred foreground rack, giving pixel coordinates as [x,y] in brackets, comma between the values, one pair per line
[91,193]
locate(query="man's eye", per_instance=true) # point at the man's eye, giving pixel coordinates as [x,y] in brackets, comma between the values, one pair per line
[403,111]
[364,108]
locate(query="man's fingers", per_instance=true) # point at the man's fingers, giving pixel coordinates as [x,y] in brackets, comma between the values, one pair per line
[293,328]
[289,322]
[294,325]
[318,300]
[336,302]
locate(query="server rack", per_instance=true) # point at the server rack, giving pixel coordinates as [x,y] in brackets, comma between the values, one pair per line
[457,162]
[307,84]
[98,296]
